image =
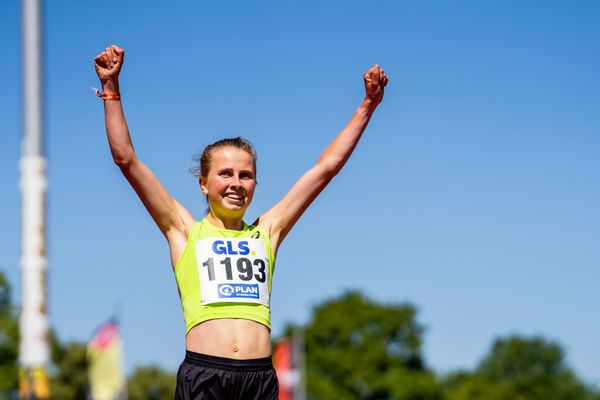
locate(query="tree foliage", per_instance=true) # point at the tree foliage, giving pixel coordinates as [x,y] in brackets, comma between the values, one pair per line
[471,386]
[9,341]
[358,349]
[520,368]
[151,383]
[68,373]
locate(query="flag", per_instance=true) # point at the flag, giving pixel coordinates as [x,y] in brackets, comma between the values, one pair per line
[288,362]
[105,363]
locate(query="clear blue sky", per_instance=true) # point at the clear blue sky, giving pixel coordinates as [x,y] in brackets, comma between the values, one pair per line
[475,193]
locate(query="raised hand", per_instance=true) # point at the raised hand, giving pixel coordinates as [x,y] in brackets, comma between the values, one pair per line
[375,81]
[108,64]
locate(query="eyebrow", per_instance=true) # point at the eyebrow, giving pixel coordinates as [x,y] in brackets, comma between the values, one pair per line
[223,169]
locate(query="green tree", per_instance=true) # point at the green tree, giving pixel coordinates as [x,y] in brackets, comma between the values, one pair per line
[520,368]
[151,383]
[471,386]
[534,367]
[9,341]
[68,372]
[359,349]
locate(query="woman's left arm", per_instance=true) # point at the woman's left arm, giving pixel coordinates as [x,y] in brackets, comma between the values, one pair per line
[280,219]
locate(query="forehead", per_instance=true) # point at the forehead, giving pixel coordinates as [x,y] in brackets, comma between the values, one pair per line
[231,157]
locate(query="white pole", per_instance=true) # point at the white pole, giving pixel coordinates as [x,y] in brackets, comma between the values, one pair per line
[33,322]
[299,361]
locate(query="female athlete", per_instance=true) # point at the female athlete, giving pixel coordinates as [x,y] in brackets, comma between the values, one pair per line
[223,266]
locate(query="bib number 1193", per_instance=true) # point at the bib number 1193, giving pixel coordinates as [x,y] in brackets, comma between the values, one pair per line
[245,269]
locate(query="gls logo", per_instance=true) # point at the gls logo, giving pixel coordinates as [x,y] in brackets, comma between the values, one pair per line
[226,247]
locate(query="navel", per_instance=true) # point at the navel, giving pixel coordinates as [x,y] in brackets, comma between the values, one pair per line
[235,348]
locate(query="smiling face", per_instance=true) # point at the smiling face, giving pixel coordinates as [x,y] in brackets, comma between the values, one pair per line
[230,182]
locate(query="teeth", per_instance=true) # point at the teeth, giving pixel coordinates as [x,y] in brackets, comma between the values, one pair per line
[235,196]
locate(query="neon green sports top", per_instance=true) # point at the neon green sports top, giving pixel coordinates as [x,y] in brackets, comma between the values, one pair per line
[224,273]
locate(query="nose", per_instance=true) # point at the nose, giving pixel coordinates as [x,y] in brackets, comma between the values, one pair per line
[235,182]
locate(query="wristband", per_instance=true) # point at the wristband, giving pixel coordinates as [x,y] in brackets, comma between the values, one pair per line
[108,95]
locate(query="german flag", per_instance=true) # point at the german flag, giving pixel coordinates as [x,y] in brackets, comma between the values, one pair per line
[105,363]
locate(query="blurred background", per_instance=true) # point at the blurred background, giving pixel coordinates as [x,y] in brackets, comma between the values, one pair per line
[455,257]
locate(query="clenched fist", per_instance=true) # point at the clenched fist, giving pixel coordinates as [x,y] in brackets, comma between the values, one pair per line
[108,64]
[375,81]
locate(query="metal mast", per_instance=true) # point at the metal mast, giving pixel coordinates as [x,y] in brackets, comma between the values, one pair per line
[33,322]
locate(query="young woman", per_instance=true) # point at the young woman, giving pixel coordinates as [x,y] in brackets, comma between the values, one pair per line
[223,266]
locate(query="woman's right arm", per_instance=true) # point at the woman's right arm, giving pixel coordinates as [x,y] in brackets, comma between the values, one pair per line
[173,220]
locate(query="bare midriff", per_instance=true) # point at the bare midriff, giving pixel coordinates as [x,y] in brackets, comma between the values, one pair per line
[240,339]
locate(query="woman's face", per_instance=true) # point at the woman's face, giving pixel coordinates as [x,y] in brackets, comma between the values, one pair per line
[230,183]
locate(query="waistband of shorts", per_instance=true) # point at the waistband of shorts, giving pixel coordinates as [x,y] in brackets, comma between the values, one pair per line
[230,364]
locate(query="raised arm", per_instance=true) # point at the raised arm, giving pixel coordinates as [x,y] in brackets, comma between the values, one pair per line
[282,217]
[173,220]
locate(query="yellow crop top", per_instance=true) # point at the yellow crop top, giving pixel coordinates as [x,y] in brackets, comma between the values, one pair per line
[224,273]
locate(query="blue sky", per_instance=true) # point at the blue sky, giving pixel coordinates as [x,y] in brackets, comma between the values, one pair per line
[474,194]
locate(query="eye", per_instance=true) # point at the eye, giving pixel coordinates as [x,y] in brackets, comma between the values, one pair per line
[246,175]
[225,173]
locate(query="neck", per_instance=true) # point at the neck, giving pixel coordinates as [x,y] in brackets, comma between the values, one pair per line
[225,223]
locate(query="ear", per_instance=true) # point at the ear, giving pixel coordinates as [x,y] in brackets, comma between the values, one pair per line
[203,185]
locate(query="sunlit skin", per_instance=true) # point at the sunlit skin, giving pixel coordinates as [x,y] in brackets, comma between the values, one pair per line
[229,185]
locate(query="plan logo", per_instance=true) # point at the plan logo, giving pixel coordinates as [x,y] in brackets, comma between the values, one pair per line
[238,291]
[225,290]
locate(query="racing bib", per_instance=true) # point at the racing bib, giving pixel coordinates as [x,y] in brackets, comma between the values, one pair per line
[233,270]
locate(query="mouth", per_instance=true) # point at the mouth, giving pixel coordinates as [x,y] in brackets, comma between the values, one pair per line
[234,196]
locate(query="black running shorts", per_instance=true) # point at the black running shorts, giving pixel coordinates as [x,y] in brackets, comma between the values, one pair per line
[203,377]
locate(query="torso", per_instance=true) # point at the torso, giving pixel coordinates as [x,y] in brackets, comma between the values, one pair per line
[230,338]
[226,337]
